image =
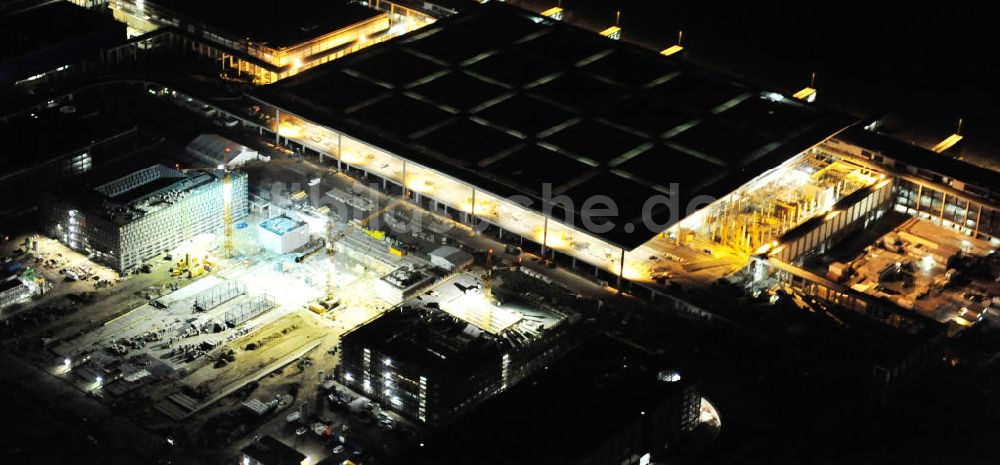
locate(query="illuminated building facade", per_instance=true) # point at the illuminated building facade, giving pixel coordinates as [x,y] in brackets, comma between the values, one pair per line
[498,104]
[281,41]
[431,367]
[512,122]
[604,402]
[929,185]
[138,216]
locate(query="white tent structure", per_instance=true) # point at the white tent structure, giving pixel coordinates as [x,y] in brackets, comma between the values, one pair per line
[216,150]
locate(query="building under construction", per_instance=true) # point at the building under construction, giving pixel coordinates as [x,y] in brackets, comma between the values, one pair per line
[132,218]
[431,366]
[605,402]
[481,107]
[500,117]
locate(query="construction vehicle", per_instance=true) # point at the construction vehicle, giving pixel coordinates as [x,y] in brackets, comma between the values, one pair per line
[321,307]
[397,252]
[193,267]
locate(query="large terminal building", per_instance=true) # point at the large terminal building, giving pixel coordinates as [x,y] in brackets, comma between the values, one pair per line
[528,128]
[497,105]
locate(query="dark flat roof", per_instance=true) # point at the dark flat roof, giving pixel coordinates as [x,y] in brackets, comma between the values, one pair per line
[49,25]
[920,157]
[413,337]
[563,412]
[278,24]
[270,451]
[505,100]
[9,284]
[49,133]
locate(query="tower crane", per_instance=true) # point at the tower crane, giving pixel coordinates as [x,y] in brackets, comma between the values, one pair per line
[488,276]
[333,237]
[227,201]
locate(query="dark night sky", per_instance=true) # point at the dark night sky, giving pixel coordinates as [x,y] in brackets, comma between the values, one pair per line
[927,62]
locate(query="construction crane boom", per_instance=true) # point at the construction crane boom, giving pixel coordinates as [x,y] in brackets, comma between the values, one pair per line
[332,239]
[227,202]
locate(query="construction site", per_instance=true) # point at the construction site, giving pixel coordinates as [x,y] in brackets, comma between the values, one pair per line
[361,253]
[240,309]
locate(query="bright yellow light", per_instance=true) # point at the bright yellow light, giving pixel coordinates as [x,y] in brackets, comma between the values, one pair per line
[947,143]
[612,32]
[693,220]
[483,207]
[289,129]
[419,184]
[477,309]
[673,49]
[556,240]
[808,94]
[352,157]
[765,248]
[551,12]
[636,271]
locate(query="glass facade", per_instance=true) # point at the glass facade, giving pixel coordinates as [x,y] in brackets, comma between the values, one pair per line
[427,183]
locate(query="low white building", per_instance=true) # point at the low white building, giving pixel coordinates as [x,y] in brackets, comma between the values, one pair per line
[402,284]
[216,150]
[12,291]
[450,258]
[282,234]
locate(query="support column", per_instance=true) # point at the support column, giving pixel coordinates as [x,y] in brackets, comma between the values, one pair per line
[277,125]
[979,216]
[621,271]
[965,220]
[404,179]
[472,211]
[545,234]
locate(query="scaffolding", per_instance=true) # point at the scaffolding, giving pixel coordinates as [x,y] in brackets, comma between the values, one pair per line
[249,309]
[219,294]
[777,202]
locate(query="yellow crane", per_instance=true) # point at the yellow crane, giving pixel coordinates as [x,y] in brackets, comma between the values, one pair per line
[332,238]
[227,202]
